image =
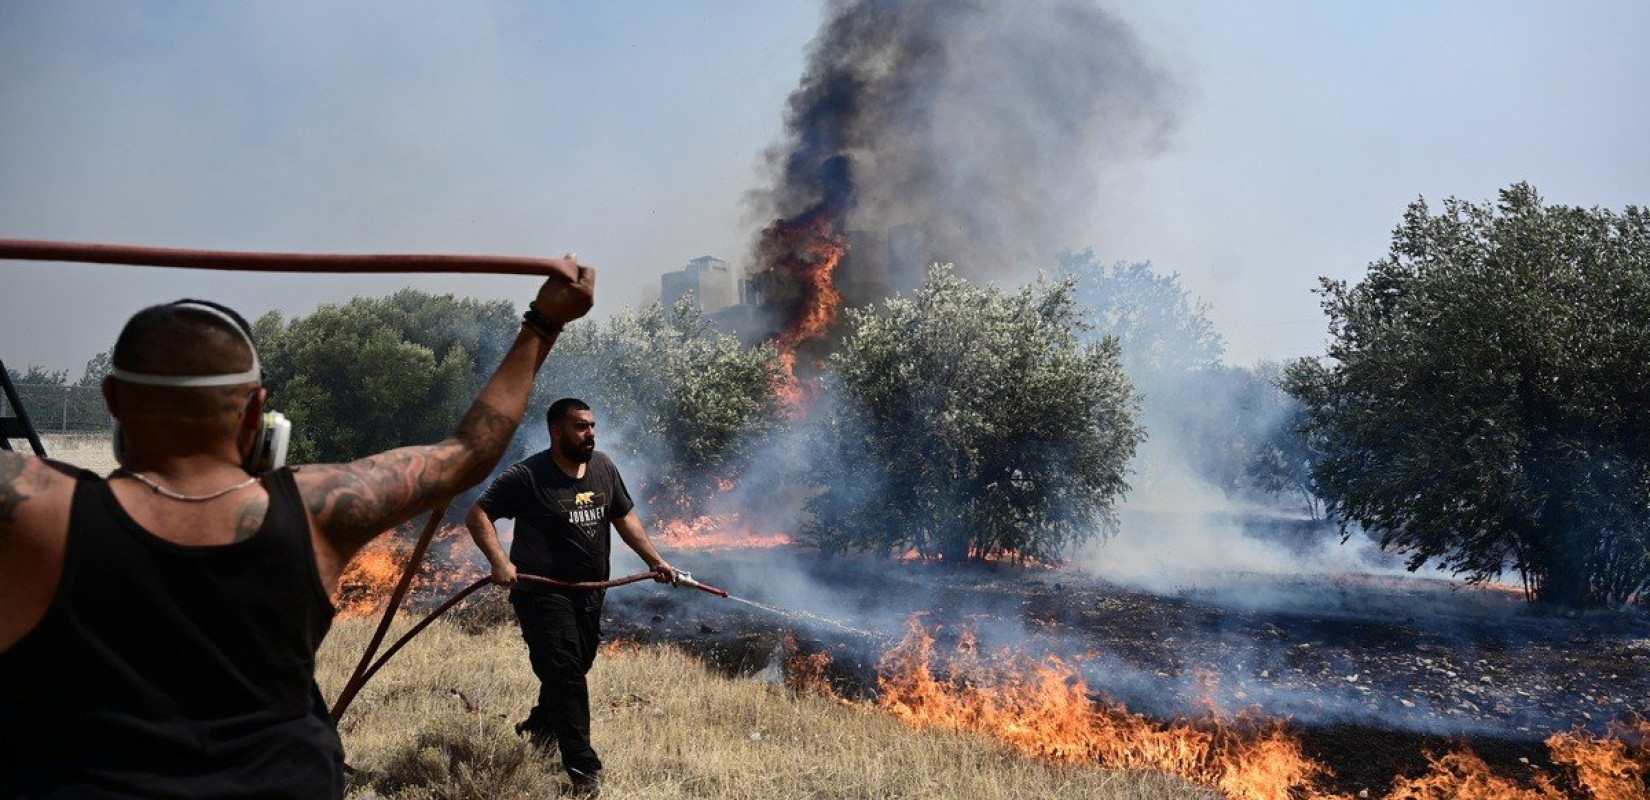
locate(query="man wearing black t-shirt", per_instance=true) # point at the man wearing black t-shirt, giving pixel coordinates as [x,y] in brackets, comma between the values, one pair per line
[562,500]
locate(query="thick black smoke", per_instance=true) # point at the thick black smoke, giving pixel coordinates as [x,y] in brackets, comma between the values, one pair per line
[962,131]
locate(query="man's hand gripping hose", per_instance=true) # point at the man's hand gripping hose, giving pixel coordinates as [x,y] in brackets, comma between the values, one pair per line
[683,580]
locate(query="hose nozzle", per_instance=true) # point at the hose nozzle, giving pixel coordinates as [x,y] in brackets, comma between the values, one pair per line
[684,580]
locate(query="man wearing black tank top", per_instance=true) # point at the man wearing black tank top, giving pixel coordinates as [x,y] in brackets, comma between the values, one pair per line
[158,628]
[563,500]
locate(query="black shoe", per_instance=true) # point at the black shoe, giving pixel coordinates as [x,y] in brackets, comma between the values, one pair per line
[538,739]
[587,785]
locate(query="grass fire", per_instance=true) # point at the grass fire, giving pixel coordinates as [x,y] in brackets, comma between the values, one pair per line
[1054,696]
[909,491]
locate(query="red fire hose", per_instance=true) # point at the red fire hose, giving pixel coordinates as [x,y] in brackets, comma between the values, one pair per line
[459,597]
[36,250]
[364,671]
[367,667]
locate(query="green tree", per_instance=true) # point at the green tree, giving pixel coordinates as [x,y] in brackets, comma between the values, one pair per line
[1161,329]
[36,375]
[1202,416]
[971,423]
[97,368]
[53,404]
[1282,462]
[688,405]
[377,373]
[1486,402]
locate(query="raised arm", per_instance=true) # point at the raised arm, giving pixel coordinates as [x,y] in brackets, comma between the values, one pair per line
[351,503]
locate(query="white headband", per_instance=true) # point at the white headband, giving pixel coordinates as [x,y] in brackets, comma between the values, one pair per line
[253,375]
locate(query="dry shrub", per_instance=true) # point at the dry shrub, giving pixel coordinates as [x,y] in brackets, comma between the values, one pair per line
[485,610]
[462,756]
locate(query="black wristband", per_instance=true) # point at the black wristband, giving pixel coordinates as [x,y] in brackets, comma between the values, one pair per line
[539,323]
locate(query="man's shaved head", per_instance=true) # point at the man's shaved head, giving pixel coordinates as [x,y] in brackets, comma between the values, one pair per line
[180,339]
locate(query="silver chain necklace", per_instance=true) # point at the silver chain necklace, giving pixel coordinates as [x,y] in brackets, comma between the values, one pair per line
[188,498]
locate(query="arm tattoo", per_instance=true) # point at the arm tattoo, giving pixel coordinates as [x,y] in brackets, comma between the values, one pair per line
[12,483]
[359,500]
[486,430]
[250,518]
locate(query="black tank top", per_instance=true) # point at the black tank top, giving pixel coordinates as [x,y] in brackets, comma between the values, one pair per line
[166,671]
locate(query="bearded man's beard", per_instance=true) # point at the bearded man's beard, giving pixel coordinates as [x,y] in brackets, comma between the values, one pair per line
[578,453]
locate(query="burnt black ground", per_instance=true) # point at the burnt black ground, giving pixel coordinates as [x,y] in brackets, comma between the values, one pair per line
[1373,672]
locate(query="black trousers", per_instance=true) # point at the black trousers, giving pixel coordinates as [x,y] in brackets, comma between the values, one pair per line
[562,631]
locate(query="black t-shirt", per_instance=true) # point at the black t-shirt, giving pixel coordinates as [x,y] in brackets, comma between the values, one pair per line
[563,524]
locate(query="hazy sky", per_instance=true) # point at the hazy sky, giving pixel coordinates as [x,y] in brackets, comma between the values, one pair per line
[631,132]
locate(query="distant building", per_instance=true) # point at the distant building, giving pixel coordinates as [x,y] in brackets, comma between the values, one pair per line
[709,281]
[882,263]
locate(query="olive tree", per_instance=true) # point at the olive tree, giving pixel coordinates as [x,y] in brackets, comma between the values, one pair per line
[1485,404]
[1216,421]
[377,373]
[967,422]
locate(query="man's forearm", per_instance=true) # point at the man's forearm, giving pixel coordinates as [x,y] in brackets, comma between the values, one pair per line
[485,536]
[356,501]
[492,419]
[12,489]
[635,537]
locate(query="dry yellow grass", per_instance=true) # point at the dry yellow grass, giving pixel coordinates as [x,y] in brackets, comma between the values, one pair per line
[666,727]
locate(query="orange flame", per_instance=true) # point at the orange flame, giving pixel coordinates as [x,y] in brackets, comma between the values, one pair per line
[1462,774]
[618,646]
[1611,768]
[805,672]
[369,579]
[807,250]
[717,532]
[1046,710]
[790,389]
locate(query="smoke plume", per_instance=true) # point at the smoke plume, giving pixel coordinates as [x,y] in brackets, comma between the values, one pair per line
[953,131]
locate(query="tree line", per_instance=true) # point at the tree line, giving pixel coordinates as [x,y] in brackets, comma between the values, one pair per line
[57,405]
[1482,406]
[960,423]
